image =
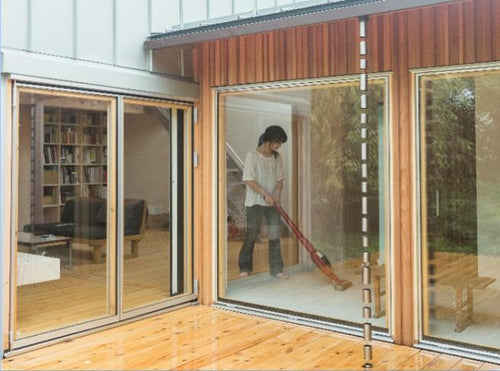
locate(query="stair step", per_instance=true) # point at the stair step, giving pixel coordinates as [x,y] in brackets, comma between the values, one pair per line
[233,170]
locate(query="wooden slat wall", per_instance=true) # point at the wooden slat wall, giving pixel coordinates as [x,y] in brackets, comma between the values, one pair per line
[458,32]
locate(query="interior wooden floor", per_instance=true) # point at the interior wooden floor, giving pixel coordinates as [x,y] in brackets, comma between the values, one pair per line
[201,337]
[81,293]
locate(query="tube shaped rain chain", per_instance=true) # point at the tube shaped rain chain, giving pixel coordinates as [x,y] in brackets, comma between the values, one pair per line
[365,269]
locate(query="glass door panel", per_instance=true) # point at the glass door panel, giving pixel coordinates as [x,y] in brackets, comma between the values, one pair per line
[152,218]
[321,191]
[460,207]
[65,267]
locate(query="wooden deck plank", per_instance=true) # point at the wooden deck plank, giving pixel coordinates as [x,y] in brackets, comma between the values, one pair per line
[467,364]
[443,362]
[489,366]
[419,360]
[322,353]
[201,337]
[258,355]
[198,318]
[226,343]
[393,359]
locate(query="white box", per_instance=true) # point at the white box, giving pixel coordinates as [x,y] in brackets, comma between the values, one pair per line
[36,268]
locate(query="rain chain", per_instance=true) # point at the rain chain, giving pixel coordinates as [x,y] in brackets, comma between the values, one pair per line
[366,270]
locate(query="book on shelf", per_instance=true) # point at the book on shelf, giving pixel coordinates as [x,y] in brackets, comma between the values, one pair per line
[50,134]
[69,175]
[70,155]
[90,155]
[74,157]
[92,174]
[69,136]
[50,154]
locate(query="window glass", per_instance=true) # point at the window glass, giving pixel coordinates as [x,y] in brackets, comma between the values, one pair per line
[460,207]
[64,264]
[319,171]
[147,184]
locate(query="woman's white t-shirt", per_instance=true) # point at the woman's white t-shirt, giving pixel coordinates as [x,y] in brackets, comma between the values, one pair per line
[266,171]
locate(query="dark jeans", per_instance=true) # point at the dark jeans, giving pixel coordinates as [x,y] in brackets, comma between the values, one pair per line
[254,216]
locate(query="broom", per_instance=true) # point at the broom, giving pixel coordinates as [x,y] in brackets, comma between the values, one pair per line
[317,256]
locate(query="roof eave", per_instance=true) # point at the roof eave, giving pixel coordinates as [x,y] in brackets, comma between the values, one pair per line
[276,21]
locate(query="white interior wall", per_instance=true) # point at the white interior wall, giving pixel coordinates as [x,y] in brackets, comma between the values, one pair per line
[147,161]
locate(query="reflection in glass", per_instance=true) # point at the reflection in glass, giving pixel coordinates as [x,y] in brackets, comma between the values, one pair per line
[62,275]
[321,192]
[461,207]
[147,187]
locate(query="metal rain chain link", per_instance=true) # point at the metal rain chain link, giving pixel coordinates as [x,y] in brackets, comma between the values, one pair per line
[366,270]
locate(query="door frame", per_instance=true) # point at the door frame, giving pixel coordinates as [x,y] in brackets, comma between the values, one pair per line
[420,302]
[115,214]
[219,245]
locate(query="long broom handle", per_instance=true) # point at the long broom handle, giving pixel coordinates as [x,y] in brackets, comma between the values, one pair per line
[307,244]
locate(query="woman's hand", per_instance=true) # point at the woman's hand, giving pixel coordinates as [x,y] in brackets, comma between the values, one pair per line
[277,199]
[268,198]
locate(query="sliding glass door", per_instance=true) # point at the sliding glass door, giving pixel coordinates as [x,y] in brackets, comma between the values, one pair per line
[459,123]
[102,212]
[65,262]
[319,167]
[153,203]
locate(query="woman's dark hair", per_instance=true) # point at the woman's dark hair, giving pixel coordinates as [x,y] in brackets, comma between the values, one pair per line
[273,133]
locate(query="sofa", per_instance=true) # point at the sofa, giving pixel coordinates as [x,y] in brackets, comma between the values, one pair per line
[84,219]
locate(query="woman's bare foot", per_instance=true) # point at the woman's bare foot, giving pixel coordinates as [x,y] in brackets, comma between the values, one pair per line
[281,275]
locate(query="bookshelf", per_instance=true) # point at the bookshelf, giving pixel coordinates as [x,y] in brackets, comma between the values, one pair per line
[72,158]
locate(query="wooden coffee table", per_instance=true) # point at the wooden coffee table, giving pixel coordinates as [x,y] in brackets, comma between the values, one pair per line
[36,242]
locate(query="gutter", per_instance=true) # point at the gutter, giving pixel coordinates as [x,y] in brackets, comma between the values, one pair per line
[285,19]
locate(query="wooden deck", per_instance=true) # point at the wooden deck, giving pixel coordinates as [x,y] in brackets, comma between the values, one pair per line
[201,337]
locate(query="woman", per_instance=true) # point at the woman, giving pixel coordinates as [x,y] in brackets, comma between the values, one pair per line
[263,175]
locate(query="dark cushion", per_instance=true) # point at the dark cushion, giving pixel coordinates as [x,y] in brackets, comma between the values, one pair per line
[60,229]
[85,217]
[83,210]
[90,232]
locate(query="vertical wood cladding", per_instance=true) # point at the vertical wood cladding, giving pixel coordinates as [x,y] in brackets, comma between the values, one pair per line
[455,33]
[459,32]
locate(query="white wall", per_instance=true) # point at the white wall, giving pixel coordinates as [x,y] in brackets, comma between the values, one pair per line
[95,31]
[113,31]
[147,160]
[190,13]
[104,31]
